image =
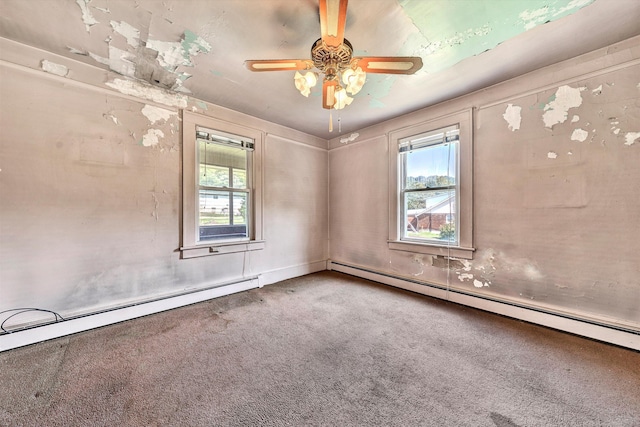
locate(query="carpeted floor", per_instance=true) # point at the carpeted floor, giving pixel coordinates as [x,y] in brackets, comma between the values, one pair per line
[321,350]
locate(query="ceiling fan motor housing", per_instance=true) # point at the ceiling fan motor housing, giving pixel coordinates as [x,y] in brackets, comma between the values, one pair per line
[331,60]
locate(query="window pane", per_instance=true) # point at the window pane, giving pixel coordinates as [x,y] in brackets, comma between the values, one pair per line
[223,215]
[239,201]
[219,162]
[239,178]
[214,207]
[214,176]
[433,166]
[430,215]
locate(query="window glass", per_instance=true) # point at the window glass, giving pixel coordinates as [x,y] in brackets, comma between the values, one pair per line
[221,187]
[429,186]
[223,190]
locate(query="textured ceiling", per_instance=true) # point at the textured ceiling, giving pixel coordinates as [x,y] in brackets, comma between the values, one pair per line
[198,47]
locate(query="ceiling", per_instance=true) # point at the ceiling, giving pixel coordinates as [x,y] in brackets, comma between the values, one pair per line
[198,47]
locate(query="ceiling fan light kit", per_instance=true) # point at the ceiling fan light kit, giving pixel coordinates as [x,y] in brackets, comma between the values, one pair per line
[305,82]
[332,56]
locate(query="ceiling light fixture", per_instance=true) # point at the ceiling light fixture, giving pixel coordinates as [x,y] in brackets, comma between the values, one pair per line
[332,55]
[305,82]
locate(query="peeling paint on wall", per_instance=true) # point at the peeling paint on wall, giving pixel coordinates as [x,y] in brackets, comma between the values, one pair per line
[556,111]
[157,114]
[631,138]
[614,126]
[112,118]
[478,284]
[151,138]
[350,138]
[552,155]
[512,116]
[447,262]
[489,262]
[156,204]
[579,135]
[575,118]
[465,276]
[141,90]
[53,68]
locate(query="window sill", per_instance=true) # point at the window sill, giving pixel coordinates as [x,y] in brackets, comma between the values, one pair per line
[430,249]
[219,248]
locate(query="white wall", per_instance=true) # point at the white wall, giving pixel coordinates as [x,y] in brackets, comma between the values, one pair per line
[90,216]
[555,219]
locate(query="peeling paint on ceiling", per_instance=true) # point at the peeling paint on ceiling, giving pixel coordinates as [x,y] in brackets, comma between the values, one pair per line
[198,47]
[141,90]
[449,32]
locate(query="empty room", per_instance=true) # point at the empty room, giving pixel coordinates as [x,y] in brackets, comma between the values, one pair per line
[320,212]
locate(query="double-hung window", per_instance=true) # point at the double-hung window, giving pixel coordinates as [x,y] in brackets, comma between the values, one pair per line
[224,185]
[430,193]
[428,186]
[221,187]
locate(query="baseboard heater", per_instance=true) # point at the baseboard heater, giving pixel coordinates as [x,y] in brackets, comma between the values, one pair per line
[589,328]
[71,325]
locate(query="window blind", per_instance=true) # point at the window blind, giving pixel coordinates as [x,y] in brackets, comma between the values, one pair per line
[439,136]
[217,137]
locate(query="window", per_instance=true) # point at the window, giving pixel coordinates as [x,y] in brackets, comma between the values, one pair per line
[224,186]
[430,193]
[221,187]
[428,186]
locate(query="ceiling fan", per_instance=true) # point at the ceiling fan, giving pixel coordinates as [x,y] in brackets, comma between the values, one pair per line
[332,55]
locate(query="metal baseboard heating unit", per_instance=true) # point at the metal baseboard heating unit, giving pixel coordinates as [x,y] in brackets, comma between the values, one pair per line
[71,325]
[588,328]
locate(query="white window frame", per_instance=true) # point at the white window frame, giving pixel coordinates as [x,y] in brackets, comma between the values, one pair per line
[191,246]
[464,208]
[419,143]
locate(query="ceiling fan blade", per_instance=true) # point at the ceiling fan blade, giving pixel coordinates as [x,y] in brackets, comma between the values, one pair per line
[390,64]
[279,64]
[329,93]
[333,17]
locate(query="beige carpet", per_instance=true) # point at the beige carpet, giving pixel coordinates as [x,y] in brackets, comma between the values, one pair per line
[321,350]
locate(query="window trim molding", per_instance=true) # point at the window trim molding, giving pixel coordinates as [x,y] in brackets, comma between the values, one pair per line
[191,247]
[464,249]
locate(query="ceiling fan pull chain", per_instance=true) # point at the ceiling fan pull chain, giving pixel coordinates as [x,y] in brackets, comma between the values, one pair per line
[330,122]
[339,124]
